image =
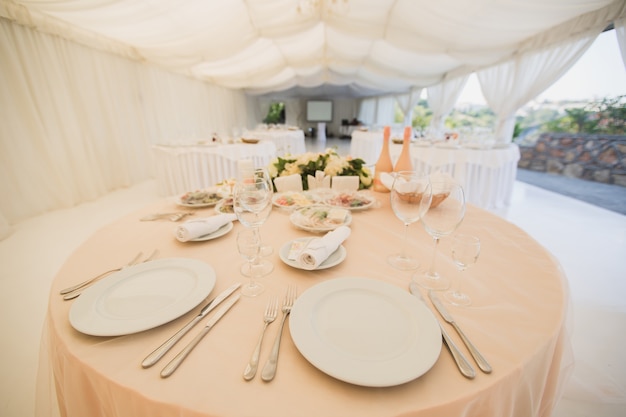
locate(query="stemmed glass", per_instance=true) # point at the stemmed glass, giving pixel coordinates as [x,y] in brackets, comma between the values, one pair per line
[252,203]
[249,246]
[465,251]
[445,214]
[410,198]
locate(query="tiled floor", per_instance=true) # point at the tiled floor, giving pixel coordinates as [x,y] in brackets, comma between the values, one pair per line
[590,243]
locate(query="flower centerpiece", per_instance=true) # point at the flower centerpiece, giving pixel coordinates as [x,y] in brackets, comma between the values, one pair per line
[328,161]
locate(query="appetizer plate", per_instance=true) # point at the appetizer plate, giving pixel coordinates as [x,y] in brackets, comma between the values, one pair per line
[225,206]
[218,233]
[320,218]
[293,199]
[335,258]
[365,332]
[141,297]
[351,201]
[200,198]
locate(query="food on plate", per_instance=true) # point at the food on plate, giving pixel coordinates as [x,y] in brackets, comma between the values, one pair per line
[320,217]
[225,206]
[350,200]
[196,198]
[293,199]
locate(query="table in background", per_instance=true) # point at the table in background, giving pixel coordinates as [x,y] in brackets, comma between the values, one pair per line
[517,319]
[486,175]
[287,141]
[183,168]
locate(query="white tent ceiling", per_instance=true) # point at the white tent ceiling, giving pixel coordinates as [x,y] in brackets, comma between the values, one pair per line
[319,47]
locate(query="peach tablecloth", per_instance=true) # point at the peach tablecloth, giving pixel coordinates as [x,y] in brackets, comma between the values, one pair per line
[518,320]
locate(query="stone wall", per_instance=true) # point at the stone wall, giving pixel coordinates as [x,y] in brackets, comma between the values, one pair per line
[600,158]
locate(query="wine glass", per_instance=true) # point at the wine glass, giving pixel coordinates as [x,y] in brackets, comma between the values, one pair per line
[465,251]
[410,198]
[252,204]
[249,246]
[445,214]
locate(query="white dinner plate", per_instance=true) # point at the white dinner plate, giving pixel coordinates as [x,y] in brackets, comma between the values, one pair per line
[218,233]
[142,297]
[317,218]
[335,258]
[365,332]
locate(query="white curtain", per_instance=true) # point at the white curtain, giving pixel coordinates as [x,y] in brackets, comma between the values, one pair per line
[620,32]
[540,61]
[77,123]
[407,102]
[508,86]
[367,111]
[441,100]
[385,111]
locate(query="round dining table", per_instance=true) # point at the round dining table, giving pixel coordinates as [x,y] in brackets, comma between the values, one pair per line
[517,319]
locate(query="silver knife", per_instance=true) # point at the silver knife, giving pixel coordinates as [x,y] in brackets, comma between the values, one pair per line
[158,353]
[461,361]
[175,363]
[478,357]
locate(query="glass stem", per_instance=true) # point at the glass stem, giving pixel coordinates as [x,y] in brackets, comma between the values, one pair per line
[433,262]
[403,251]
[459,278]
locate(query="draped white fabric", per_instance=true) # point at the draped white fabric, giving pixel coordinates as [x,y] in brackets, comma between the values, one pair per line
[441,100]
[265,46]
[507,87]
[407,102]
[87,87]
[77,123]
[620,32]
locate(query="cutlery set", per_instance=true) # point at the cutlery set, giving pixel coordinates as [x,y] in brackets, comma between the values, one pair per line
[270,315]
[462,363]
[271,312]
[269,370]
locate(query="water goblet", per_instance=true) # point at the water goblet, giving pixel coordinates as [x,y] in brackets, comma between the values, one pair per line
[252,204]
[445,214]
[410,198]
[465,251]
[249,246]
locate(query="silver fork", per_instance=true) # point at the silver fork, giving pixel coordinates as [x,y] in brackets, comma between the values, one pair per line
[90,280]
[79,289]
[269,370]
[271,311]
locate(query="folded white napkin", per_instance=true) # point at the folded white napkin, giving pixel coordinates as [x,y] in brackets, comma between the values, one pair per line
[319,249]
[288,183]
[319,181]
[345,183]
[193,229]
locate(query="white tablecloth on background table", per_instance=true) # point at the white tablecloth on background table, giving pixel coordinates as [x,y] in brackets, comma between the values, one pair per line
[486,175]
[185,168]
[287,141]
[366,145]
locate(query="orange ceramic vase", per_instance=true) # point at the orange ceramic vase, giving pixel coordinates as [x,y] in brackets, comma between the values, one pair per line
[404,162]
[384,163]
